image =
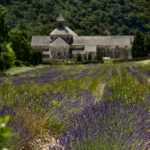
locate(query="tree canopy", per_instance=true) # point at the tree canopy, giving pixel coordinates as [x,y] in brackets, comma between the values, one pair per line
[86,17]
[14,46]
[141,45]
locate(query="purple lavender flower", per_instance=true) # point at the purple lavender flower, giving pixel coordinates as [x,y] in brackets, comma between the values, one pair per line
[108,76]
[120,122]
[139,75]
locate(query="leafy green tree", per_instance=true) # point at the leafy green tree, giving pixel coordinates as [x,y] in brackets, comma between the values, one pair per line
[21,46]
[7,57]
[5,133]
[78,57]
[5,1]
[147,44]
[122,2]
[89,56]
[138,45]
[36,57]
[88,17]
[3,27]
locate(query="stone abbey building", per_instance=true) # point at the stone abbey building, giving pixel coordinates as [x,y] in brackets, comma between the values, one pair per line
[63,43]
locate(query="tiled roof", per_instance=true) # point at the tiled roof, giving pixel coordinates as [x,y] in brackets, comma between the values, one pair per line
[59,42]
[103,40]
[65,31]
[40,41]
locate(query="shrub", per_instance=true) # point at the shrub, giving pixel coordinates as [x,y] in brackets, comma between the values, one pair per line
[36,57]
[5,132]
[7,57]
[90,57]
[78,57]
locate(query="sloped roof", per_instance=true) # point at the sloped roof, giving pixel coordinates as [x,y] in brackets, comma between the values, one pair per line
[40,41]
[59,42]
[57,31]
[60,18]
[64,31]
[71,31]
[103,40]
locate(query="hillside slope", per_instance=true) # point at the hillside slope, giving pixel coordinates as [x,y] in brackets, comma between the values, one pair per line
[86,17]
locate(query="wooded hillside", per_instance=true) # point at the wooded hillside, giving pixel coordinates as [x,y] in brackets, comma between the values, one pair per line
[86,17]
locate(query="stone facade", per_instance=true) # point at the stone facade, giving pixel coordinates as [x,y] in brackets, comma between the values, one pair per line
[63,43]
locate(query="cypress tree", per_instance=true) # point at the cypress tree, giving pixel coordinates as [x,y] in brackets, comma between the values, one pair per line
[138,45]
[147,44]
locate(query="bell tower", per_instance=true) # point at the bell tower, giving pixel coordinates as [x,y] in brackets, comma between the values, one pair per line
[60,22]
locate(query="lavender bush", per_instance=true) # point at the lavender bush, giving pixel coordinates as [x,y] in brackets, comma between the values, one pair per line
[109,126]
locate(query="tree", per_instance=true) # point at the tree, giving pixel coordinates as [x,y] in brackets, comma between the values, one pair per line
[39,16]
[36,57]
[20,46]
[7,57]
[122,2]
[147,44]
[3,27]
[89,56]
[5,1]
[138,45]
[78,57]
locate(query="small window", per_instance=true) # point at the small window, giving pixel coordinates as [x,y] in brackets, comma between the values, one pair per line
[64,53]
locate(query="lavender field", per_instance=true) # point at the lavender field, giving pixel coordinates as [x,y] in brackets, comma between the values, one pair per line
[84,107]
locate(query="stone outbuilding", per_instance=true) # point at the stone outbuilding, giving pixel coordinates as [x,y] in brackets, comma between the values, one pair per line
[63,44]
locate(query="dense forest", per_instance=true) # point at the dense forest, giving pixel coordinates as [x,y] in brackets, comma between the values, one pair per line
[86,17]
[15,48]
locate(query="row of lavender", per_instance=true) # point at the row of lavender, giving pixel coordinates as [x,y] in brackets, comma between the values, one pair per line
[49,74]
[144,68]
[35,108]
[119,122]
[109,126]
